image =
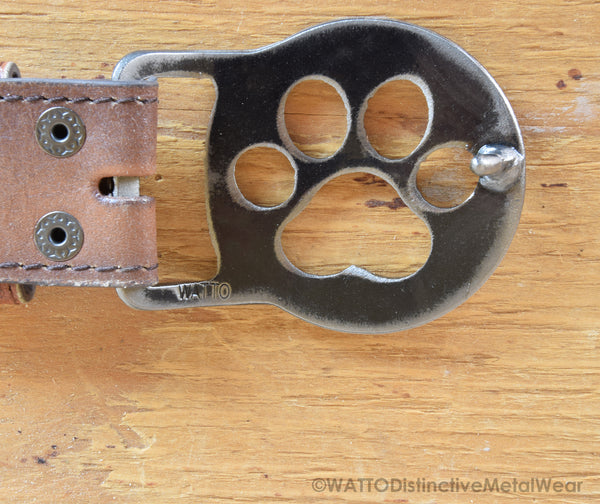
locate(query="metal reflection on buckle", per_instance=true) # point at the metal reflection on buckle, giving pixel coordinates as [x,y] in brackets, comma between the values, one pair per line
[468,241]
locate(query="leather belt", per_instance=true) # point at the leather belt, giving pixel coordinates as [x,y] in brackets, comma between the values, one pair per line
[62,142]
[71,153]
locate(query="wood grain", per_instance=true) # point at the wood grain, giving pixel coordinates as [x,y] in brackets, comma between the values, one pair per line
[102,404]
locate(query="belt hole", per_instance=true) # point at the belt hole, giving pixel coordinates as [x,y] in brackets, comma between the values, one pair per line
[60,132]
[106,186]
[58,236]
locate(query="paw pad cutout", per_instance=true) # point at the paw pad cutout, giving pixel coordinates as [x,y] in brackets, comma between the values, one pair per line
[322,100]
[444,178]
[396,117]
[265,176]
[361,221]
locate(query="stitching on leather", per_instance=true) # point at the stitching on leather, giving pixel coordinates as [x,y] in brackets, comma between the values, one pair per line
[83,267]
[92,101]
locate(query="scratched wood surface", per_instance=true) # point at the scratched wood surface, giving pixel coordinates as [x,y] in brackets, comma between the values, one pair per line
[102,404]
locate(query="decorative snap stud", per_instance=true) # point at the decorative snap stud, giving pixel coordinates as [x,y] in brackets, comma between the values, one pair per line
[60,132]
[59,236]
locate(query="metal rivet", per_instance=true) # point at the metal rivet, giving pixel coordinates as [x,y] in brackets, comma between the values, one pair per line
[25,292]
[59,236]
[498,166]
[60,132]
[9,70]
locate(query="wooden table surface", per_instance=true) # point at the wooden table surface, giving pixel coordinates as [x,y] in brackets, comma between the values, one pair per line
[100,403]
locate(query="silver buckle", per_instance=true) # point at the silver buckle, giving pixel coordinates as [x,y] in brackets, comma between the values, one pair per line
[468,241]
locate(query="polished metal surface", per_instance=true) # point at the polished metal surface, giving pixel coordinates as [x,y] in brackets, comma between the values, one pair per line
[59,236]
[60,131]
[357,55]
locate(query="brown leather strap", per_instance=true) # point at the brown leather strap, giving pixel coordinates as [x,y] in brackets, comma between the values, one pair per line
[119,233]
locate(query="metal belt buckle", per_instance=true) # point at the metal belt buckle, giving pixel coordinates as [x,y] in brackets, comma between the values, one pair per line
[358,55]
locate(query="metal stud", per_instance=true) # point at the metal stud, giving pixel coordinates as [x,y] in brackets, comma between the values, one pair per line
[498,166]
[59,236]
[24,292]
[60,132]
[9,70]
